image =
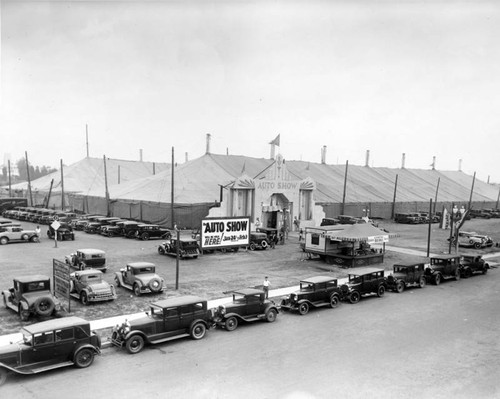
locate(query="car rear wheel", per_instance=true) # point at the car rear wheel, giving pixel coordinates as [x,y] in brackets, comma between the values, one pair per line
[400,286]
[303,308]
[231,323]
[252,246]
[84,358]
[422,282]
[477,245]
[84,299]
[437,279]
[198,331]
[271,315]
[334,301]
[354,297]
[468,273]
[137,289]
[381,291]
[145,236]
[135,344]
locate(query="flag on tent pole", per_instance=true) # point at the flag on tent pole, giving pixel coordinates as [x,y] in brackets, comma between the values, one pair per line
[276,141]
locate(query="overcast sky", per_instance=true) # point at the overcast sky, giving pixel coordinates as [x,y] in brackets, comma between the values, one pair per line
[392,77]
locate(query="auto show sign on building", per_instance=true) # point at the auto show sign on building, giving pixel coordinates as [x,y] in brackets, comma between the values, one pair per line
[225,232]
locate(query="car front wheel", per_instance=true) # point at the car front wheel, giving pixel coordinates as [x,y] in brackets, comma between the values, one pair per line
[271,315]
[381,291]
[231,323]
[135,344]
[137,289]
[84,358]
[334,301]
[437,279]
[3,376]
[4,240]
[198,331]
[422,282]
[400,286]
[354,297]
[303,308]
[84,299]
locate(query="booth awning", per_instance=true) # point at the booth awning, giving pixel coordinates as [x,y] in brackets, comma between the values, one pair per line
[364,232]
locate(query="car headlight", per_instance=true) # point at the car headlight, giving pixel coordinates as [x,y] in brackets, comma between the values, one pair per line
[222,309]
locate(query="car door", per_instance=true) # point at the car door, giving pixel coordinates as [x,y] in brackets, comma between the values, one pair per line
[43,348]
[254,304]
[64,344]
[186,317]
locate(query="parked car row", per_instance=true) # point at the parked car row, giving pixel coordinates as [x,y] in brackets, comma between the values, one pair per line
[485,213]
[189,316]
[416,217]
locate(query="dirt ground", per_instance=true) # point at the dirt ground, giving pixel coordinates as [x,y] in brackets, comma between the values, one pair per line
[210,275]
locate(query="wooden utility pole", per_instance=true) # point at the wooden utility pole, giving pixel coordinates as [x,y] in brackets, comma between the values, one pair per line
[106,187]
[436,197]
[472,190]
[29,180]
[50,192]
[172,222]
[430,228]
[87,138]
[345,186]
[63,205]
[10,182]
[394,198]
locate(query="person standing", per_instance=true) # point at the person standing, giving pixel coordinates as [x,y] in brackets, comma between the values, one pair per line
[38,232]
[257,223]
[296,224]
[266,286]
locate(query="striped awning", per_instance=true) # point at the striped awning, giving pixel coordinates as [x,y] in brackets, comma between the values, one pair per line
[364,232]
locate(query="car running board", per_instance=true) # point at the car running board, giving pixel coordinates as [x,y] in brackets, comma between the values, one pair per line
[27,370]
[157,341]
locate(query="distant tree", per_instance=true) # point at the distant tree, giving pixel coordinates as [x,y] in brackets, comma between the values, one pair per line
[4,171]
[35,171]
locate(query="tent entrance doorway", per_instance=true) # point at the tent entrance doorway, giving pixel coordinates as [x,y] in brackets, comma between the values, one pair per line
[278,213]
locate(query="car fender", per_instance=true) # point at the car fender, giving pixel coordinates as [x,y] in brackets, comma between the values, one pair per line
[238,316]
[6,294]
[87,346]
[119,276]
[24,304]
[272,306]
[21,371]
[301,301]
[207,325]
[136,332]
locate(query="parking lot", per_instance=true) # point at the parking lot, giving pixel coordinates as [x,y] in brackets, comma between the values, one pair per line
[210,275]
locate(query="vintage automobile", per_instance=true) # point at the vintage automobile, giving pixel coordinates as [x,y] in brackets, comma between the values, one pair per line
[443,267]
[408,218]
[64,232]
[169,319]
[10,233]
[258,240]
[88,286]
[248,305]
[188,247]
[329,221]
[406,275]
[364,280]
[113,228]
[147,231]
[470,264]
[94,226]
[480,213]
[472,239]
[316,292]
[140,277]
[129,229]
[87,258]
[51,344]
[31,295]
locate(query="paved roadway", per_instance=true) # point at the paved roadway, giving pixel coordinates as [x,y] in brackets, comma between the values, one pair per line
[436,342]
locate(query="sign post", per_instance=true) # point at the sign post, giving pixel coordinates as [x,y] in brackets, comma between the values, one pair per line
[55,225]
[61,279]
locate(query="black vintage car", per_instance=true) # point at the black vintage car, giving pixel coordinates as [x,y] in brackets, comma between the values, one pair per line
[259,241]
[64,232]
[188,247]
[443,267]
[48,345]
[365,280]
[169,319]
[248,305]
[471,264]
[406,275]
[147,231]
[316,292]
[129,229]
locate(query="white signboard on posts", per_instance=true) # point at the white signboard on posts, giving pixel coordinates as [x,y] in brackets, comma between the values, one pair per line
[225,232]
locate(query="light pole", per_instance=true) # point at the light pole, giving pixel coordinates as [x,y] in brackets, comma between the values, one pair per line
[459,215]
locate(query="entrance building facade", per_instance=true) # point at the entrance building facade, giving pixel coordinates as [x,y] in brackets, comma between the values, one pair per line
[273,199]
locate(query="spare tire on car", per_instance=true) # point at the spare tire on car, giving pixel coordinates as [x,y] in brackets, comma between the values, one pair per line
[155,284]
[44,306]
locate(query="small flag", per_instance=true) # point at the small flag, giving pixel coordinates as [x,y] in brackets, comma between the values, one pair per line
[276,141]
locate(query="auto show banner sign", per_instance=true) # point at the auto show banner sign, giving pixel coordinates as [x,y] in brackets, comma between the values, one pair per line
[219,233]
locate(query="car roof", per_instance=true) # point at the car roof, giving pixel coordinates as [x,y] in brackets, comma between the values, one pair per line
[140,264]
[178,301]
[91,251]
[54,324]
[317,279]
[409,264]
[87,272]
[30,278]
[365,270]
[246,291]
[445,256]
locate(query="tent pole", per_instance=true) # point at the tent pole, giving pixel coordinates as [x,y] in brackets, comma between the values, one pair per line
[345,186]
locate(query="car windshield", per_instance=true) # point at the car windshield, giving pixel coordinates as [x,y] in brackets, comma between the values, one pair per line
[353,279]
[144,270]
[27,337]
[304,286]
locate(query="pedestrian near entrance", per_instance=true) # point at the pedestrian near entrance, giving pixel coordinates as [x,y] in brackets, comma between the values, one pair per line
[301,235]
[257,223]
[296,224]
[38,232]
[266,285]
